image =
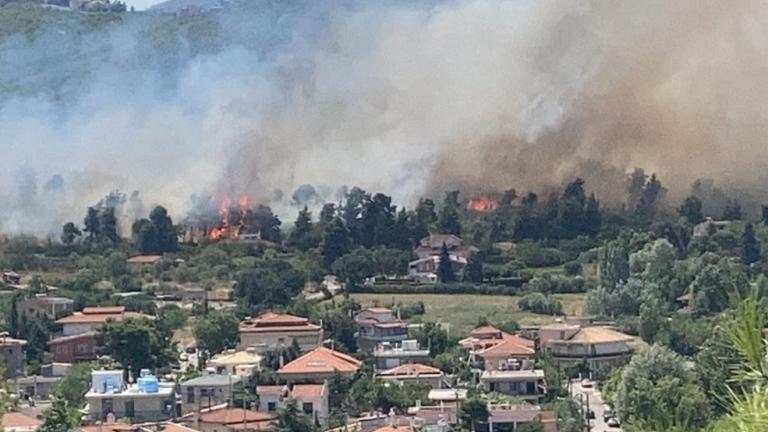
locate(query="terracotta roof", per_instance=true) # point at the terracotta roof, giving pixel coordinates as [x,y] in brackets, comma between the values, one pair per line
[229,416]
[272,390]
[107,427]
[175,427]
[64,339]
[600,335]
[15,420]
[95,318]
[144,259]
[411,369]
[394,429]
[507,348]
[486,330]
[307,391]
[322,360]
[272,322]
[378,310]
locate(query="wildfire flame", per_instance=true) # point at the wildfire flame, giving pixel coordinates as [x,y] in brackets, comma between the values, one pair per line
[231,219]
[482,204]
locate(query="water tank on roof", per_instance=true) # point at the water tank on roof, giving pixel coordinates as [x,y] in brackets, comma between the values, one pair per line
[148,383]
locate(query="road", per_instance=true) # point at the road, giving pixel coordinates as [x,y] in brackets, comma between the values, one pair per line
[596,404]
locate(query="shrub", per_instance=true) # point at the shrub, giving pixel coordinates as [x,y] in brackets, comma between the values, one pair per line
[541,304]
[572,268]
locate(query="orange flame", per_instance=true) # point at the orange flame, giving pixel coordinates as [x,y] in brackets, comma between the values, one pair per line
[224,231]
[482,204]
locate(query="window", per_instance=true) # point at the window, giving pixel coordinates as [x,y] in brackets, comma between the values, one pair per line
[190,395]
[307,407]
[129,409]
[271,406]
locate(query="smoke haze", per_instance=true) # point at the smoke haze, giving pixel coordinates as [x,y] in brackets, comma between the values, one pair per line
[408,98]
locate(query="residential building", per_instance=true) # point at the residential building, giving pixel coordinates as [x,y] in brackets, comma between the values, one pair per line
[388,356]
[424,269]
[12,355]
[75,348]
[36,386]
[49,306]
[489,348]
[311,399]
[447,395]
[208,391]
[528,384]
[508,417]
[18,422]
[233,419]
[92,318]
[319,365]
[271,330]
[240,363]
[377,325]
[11,278]
[598,346]
[111,398]
[414,373]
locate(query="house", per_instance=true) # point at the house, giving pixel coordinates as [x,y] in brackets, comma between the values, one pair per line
[272,330]
[524,383]
[240,363]
[110,397]
[12,355]
[49,306]
[377,325]
[509,417]
[92,318]
[36,386]
[311,399]
[492,349]
[18,422]
[433,245]
[414,373]
[424,270]
[319,365]
[708,227]
[75,348]
[233,419]
[598,346]
[447,396]
[208,391]
[388,356]
[11,278]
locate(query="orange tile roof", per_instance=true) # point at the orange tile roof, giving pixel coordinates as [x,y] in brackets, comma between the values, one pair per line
[518,340]
[174,427]
[227,416]
[411,369]
[15,419]
[321,360]
[144,259]
[107,427]
[272,322]
[507,347]
[307,391]
[271,390]
[486,330]
[271,317]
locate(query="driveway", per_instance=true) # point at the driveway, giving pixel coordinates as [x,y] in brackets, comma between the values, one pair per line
[596,404]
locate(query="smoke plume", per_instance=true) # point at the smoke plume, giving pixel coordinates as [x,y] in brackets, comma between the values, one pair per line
[408,98]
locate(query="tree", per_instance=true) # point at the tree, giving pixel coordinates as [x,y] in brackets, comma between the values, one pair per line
[339,324]
[70,233]
[217,331]
[434,337]
[60,417]
[136,344]
[290,419]
[445,272]
[92,225]
[750,252]
[592,217]
[157,234]
[474,411]
[13,317]
[8,401]
[108,224]
[572,205]
[261,220]
[474,270]
[273,284]
[691,210]
[74,385]
[354,267]
[425,217]
[533,426]
[714,287]
[732,210]
[335,242]
[657,392]
[303,235]
[172,317]
[448,222]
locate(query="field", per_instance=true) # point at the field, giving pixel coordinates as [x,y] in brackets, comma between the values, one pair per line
[462,311]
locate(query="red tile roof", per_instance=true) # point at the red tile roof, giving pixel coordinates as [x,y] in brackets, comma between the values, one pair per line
[322,360]
[486,330]
[507,348]
[411,369]
[272,322]
[15,420]
[96,318]
[107,427]
[228,416]
[307,391]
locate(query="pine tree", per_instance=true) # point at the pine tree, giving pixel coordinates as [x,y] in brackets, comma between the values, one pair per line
[750,248]
[335,242]
[592,218]
[13,318]
[444,267]
[302,234]
[92,225]
[448,223]
[474,272]
[58,418]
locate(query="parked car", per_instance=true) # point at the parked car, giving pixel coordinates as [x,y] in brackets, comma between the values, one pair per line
[586,383]
[613,422]
[608,413]
[590,415]
[183,357]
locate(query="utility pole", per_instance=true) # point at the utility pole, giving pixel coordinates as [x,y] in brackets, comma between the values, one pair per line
[589,425]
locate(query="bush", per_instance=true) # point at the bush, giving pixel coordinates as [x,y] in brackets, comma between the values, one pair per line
[572,268]
[533,255]
[549,283]
[541,304]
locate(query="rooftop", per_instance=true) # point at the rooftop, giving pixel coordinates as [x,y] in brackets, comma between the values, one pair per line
[447,394]
[236,358]
[273,322]
[95,315]
[6,340]
[512,374]
[599,335]
[228,416]
[308,391]
[144,259]
[212,380]
[508,347]
[321,360]
[13,420]
[64,339]
[411,369]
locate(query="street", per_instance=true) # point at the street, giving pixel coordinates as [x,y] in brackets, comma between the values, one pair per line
[596,404]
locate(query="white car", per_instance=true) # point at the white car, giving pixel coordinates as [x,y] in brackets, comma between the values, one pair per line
[613,422]
[586,383]
[183,357]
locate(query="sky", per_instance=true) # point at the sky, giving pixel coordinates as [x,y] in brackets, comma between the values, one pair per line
[141,4]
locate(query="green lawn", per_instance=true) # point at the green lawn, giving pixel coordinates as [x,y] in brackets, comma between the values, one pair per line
[462,311]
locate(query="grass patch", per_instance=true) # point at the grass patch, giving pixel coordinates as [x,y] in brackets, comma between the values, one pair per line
[462,311]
